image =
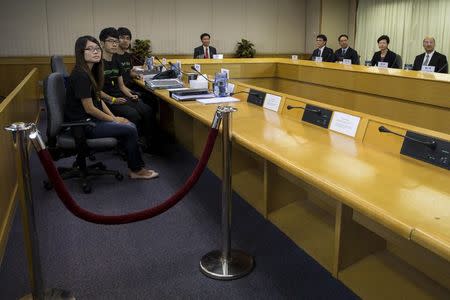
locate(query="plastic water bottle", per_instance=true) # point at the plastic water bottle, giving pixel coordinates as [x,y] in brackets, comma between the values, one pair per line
[220,85]
[149,63]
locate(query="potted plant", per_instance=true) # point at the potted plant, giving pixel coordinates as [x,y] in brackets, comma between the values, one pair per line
[245,49]
[140,50]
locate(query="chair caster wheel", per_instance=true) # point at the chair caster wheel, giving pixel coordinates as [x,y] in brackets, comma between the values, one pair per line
[119,176]
[48,185]
[87,189]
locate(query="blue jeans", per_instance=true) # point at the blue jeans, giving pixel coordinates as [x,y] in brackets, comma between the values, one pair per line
[127,136]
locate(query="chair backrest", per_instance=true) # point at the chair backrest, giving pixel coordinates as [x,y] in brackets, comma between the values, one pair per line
[55,98]
[58,66]
[399,61]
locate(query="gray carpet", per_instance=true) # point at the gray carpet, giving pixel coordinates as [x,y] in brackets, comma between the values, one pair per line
[158,258]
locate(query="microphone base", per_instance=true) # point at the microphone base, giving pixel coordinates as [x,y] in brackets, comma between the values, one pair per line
[215,266]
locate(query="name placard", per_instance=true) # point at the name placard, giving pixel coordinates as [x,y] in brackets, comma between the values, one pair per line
[318,59]
[344,123]
[230,88]
[294,57]
[226,71]
[217,56]
[382,64]
[347,61]
[272,102]
[429,69]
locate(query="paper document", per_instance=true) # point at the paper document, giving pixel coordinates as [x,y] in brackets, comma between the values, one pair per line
[218,100]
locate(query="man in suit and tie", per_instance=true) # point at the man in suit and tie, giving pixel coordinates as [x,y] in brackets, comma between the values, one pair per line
[322,49]
[345,52]
[431,57]
[205,50]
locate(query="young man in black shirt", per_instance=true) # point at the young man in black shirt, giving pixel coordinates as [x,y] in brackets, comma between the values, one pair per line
[129,75]
[121,101]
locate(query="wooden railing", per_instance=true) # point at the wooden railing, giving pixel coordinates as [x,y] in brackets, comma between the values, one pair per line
[21,105]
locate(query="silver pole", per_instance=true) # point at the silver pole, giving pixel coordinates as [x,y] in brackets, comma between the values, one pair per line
[20,132]
[226,264]
[226,184]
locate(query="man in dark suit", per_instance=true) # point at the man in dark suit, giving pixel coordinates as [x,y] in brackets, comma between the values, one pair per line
[322,49]
[345,52]
[431,57]
[205,50]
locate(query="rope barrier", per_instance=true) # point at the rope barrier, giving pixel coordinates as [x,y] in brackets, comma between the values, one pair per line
[88,216]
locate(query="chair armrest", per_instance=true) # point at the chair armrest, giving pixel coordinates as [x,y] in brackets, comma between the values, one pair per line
[85,123]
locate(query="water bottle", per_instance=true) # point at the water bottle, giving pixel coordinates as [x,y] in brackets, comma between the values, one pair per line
[220,85]
[149,63]
[177,68]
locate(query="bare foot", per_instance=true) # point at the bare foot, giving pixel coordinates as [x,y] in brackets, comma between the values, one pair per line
[143,174]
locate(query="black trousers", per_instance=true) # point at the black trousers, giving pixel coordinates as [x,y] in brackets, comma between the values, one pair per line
[140,114]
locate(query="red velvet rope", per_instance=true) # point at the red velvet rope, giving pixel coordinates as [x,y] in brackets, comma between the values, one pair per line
[88,216]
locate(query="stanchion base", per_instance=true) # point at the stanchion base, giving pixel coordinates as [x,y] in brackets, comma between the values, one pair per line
[213,265]
[53,294]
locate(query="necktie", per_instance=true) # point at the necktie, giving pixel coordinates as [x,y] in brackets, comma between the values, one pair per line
[206,53]
[427,60]
[343,52]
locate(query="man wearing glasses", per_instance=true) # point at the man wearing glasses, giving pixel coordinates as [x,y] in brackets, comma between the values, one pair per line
[119,98]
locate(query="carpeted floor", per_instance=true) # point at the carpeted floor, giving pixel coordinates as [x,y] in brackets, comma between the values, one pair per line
[158,258]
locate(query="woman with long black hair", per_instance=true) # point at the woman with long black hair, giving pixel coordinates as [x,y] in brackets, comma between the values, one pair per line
[83,101]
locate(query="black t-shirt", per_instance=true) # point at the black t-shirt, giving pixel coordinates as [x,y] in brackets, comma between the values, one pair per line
[125,63]
[112,71]
[79,87]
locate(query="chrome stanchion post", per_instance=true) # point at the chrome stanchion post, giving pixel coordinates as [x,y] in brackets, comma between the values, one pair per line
[226,264]
[20,133]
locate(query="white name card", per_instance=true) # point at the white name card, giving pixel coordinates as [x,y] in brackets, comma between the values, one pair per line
[225,71]
[344,123]
[272,102]
[230,88]
[382,64]
[198,67]
[429,69]
[294,57]
[318,59]
[347,61]
[217,56]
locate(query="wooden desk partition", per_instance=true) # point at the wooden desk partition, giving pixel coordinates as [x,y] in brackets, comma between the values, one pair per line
[377,220]
[416,98]
[21,105]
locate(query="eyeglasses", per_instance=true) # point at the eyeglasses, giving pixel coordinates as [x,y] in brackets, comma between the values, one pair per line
[112,41]
[93,49]
[124,37]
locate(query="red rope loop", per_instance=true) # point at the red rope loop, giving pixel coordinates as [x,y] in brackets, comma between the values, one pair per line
[88,216]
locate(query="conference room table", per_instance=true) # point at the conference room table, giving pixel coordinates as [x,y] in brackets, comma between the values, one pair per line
[378,220]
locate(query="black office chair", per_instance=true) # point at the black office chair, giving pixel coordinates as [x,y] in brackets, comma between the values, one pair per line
[58,66]
[61,143]
[399,61]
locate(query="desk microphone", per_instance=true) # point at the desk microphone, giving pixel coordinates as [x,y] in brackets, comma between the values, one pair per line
[156,57]
[442,68]
[431,144]
[193,68]
[316,111]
